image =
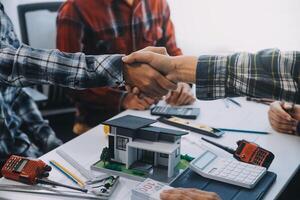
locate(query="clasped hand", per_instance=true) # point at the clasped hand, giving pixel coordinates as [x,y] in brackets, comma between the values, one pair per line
[139,72]
[155,74]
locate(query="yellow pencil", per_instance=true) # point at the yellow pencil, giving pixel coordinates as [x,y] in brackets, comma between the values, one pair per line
[80,182]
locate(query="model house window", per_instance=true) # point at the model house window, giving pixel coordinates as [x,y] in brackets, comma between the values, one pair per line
[164,155]
[121,143]
[177,152]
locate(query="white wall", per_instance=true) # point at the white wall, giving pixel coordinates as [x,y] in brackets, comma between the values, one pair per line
[206,26]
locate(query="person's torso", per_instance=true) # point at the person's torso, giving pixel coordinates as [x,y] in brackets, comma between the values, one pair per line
[113,26]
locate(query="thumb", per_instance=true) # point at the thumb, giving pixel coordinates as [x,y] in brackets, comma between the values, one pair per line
[141,57]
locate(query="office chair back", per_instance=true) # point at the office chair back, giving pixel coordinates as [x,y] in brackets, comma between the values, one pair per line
[38,29]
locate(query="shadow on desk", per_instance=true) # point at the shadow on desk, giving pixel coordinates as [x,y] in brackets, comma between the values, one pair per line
[292,192]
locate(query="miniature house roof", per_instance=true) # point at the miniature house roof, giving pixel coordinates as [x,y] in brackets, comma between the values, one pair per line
[139,128]
[130,122]
[160,147]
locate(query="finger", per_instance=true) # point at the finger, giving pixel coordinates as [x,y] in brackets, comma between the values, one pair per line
[149,100]
[279,119]
[174,194]
[182,98]
[143,103]
[135,90]
[276,107]
[153,90]
[159,50]
[174,96]
[281,129]
[128,88]
[166,84]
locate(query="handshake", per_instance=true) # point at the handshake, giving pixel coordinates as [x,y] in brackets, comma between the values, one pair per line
[155,73]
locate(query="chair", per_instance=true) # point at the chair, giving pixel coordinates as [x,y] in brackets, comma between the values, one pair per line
[38,29]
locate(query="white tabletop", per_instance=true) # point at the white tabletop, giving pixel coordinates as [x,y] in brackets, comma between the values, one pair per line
[86,148]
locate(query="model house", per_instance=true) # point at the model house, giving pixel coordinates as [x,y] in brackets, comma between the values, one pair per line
[132,141]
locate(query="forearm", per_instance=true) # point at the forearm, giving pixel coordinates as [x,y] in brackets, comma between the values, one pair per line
[27,66]
[185,68]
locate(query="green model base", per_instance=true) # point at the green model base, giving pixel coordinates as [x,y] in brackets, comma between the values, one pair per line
[158,172]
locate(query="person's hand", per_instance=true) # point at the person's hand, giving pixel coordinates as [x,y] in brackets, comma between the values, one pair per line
[148,80]
[136,101]
[183,95]
[177,69]
[188,194]
[280,120]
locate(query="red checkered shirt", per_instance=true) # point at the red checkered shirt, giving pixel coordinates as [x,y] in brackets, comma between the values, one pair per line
[108,27]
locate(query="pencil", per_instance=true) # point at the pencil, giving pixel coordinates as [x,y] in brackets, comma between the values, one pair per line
[242,131]
[67,173]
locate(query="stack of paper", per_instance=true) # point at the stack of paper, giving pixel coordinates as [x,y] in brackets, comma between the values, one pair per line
[148,190]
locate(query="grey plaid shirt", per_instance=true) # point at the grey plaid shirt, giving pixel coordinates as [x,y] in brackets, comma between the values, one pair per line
[269,73]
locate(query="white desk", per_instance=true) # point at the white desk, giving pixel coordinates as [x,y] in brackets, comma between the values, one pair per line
[86,148]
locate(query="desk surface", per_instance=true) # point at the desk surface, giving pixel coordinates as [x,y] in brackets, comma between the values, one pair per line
[86,148]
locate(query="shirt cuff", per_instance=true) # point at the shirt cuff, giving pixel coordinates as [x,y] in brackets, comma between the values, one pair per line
[211,77]
[112,66]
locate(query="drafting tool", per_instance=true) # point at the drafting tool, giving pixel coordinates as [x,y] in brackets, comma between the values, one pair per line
[84,172]
[67,173]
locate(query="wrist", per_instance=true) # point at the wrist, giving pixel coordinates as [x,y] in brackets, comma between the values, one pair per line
[185,68]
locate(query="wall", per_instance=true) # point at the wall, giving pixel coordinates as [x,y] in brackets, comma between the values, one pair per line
[206,26]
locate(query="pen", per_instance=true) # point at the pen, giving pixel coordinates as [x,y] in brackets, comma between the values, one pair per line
[67,173]
[234,101]
[242,131]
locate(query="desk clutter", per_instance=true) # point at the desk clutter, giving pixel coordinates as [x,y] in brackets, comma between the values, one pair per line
[138,149]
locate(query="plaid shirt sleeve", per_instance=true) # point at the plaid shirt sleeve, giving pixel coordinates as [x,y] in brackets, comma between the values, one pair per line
[269,73]
[26,66]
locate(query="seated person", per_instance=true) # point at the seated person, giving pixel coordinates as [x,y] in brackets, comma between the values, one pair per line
[107,27]
[23,131]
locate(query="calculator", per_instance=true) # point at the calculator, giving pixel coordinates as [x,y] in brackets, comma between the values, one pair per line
[227,170]
[166,111]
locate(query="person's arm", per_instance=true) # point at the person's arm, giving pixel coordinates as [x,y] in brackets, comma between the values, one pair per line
[26,109]
[27,66]
[269,73]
